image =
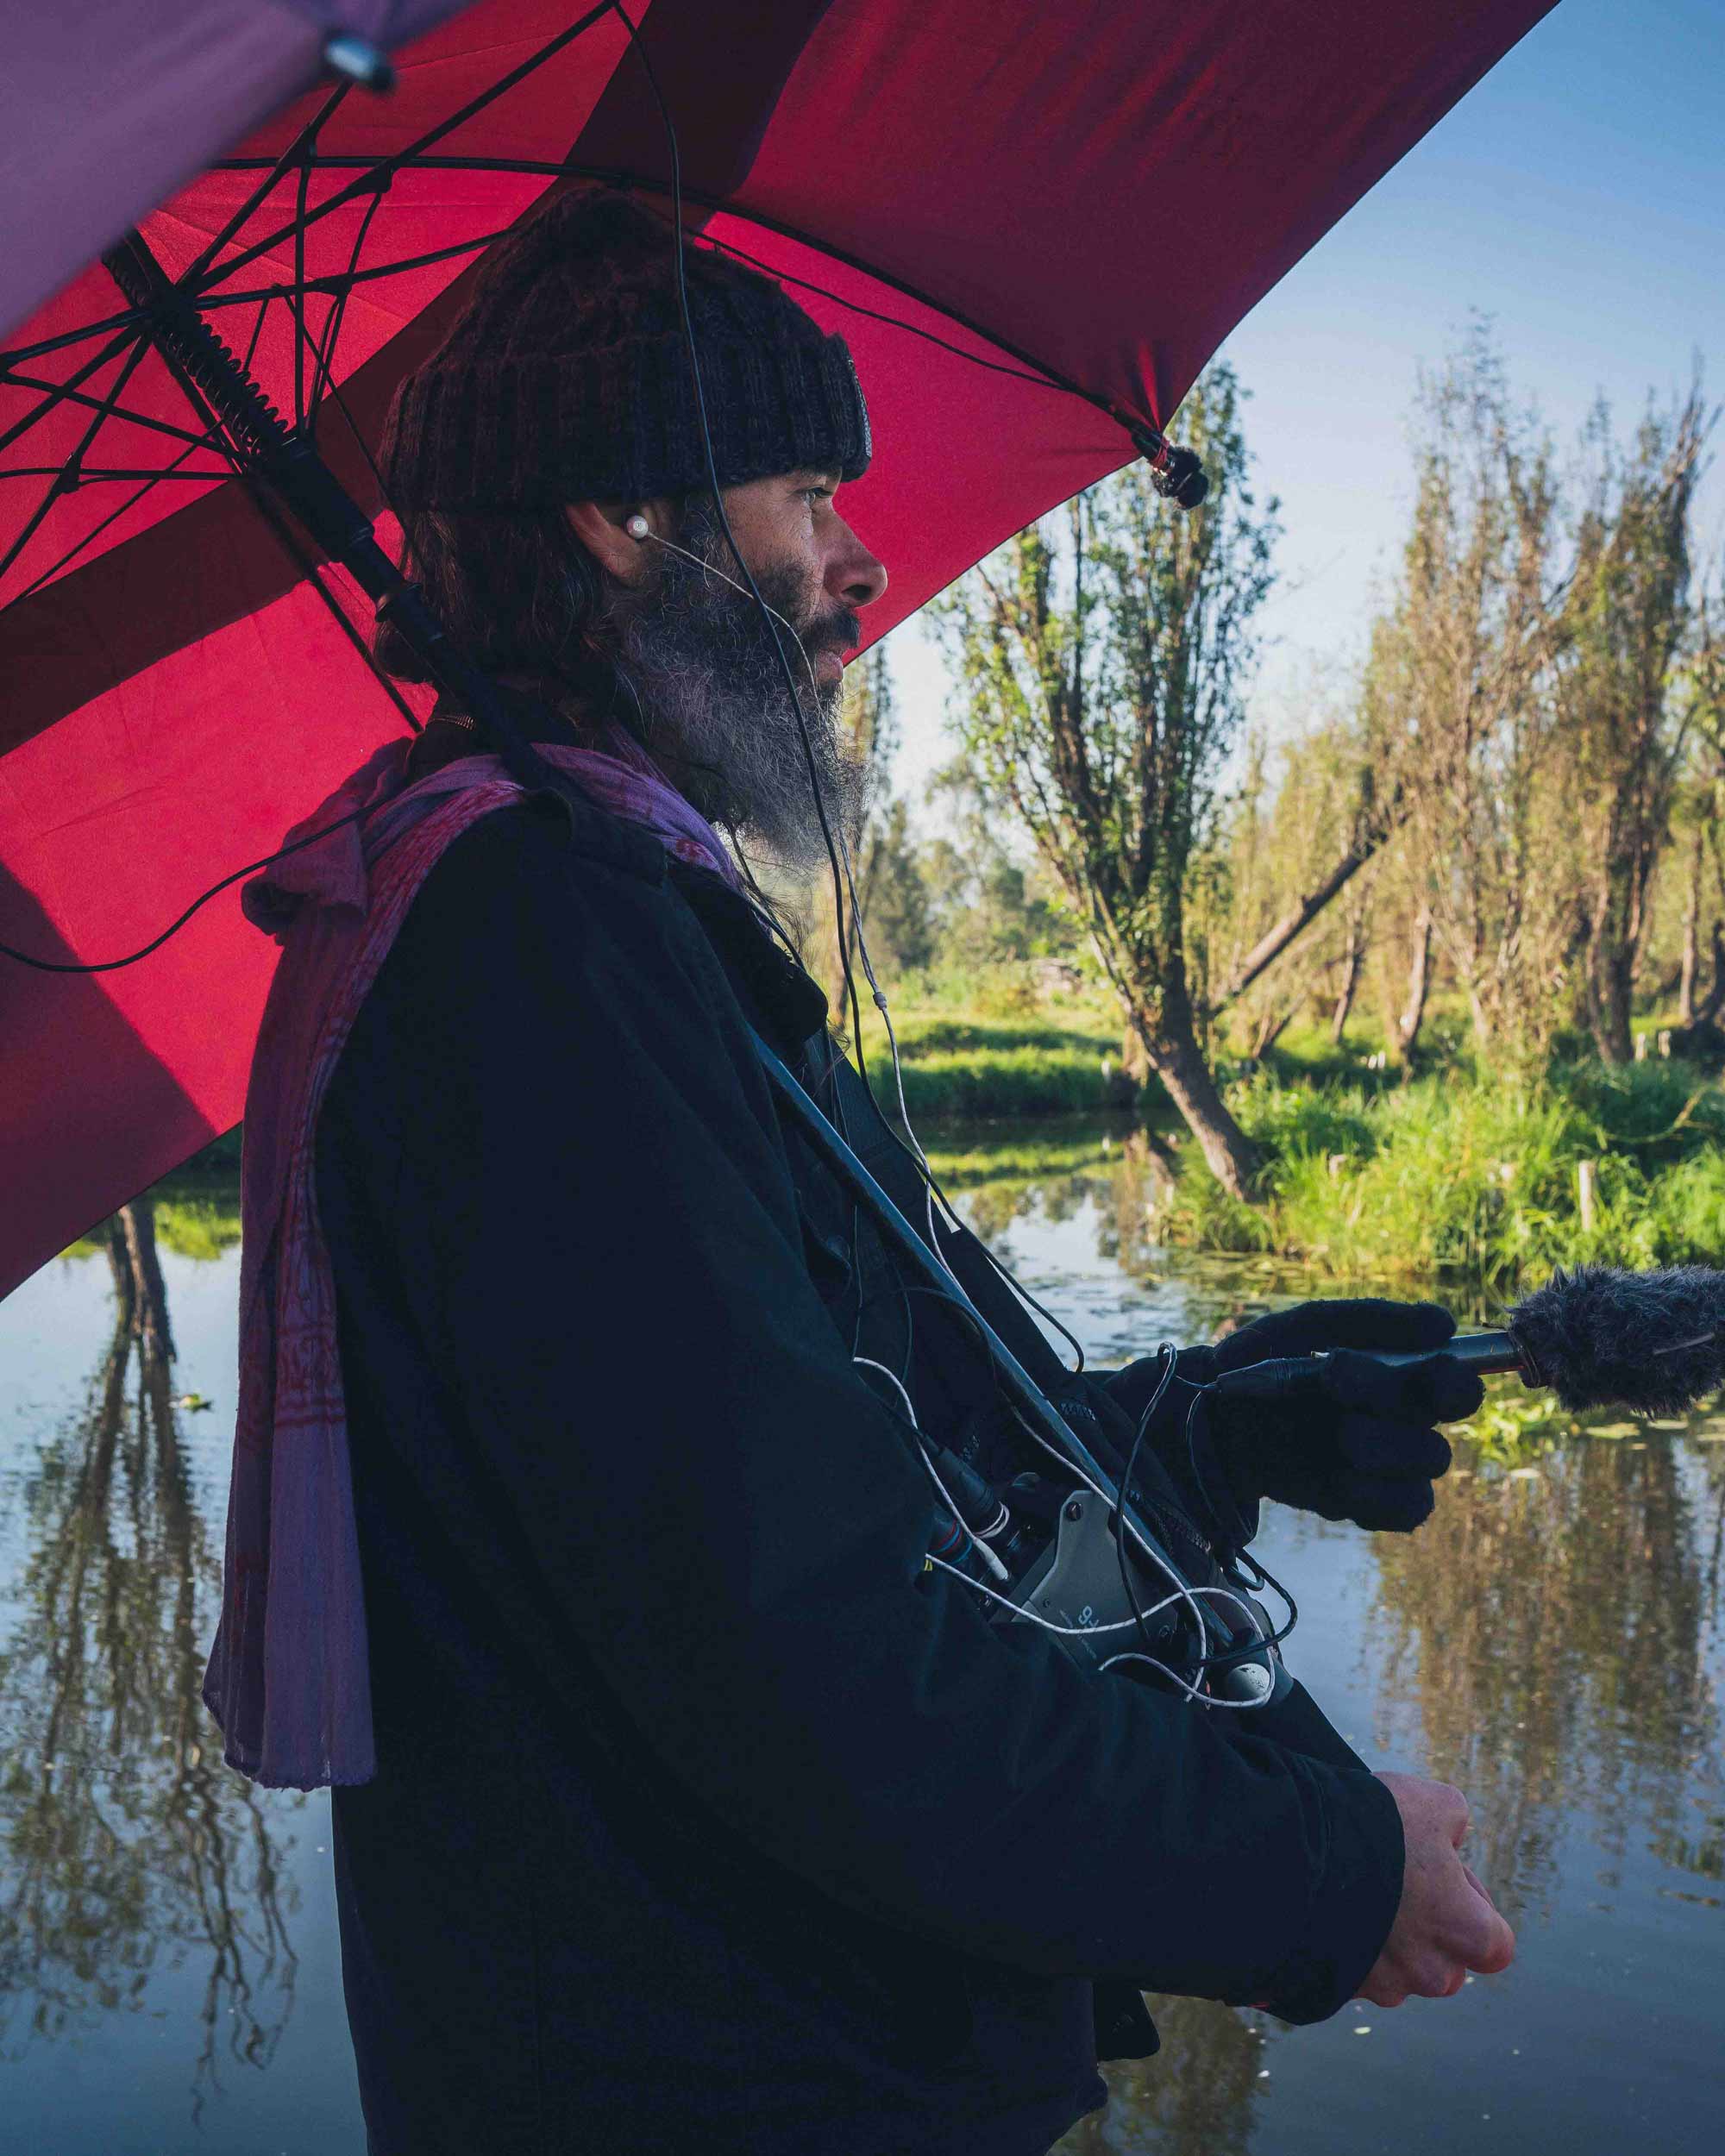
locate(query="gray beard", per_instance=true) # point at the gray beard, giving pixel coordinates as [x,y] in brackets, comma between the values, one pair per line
[714,712]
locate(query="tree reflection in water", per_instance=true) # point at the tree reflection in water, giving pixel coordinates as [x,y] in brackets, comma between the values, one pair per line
[1550,1641]
[129,1847]
[1198,2096]
[1552,1630]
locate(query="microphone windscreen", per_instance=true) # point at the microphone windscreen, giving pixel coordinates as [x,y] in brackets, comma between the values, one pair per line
[1653,1342]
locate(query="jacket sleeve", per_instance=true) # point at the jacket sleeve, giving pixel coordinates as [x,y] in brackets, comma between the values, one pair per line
[590,1181]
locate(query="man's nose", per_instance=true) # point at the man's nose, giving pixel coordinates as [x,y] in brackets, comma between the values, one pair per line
[854,574]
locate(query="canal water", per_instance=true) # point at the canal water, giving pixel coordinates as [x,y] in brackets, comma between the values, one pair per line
[169,1972]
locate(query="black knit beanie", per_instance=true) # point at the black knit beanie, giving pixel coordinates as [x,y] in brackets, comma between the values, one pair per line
[566,377]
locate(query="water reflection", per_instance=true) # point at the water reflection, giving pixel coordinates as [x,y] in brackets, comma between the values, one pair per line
[129,1848]
[1550,1641]
[1551,1626]
[1199,2097]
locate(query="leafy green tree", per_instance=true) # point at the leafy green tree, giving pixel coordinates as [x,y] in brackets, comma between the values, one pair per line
[1460,669]
[1626,625]
[890,896]
[898,915]
[1101,654]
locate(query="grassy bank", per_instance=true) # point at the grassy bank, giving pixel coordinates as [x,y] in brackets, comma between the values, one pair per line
[1454,1173]
[988,1043]
[1060,1065]
[1472,1177]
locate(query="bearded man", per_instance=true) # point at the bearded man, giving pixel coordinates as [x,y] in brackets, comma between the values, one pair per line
[680,1804]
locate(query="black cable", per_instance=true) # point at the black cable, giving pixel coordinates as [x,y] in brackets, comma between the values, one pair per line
[110,965]
[1225,1657]
[1123,1491]
[772,626]
[928,1177]
[1267,1578]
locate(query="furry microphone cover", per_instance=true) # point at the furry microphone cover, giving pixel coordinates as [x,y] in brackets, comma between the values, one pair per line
[1653,1342]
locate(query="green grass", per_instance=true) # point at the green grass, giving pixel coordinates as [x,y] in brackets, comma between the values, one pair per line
[1461,1176]
[201,1224]
[1060,1061]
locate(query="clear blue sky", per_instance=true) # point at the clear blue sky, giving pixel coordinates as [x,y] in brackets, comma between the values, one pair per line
[1577,196]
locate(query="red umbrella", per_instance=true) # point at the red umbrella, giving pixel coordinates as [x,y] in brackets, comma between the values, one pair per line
[1033,224]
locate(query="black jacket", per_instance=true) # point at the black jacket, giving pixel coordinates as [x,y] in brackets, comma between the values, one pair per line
[706,1817]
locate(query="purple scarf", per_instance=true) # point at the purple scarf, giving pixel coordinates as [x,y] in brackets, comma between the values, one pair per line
[288,1679]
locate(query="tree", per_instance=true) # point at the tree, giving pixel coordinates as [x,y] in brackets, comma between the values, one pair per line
[897,916]
[1315,852]
[1101,654]
[868,735]
[1285,853]
[1697,814]
[1625,626]
[1459,668]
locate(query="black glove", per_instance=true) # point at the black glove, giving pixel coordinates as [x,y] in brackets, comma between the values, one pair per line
[1360,1446]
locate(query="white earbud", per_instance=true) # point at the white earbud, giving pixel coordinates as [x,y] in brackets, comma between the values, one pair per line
[638,528]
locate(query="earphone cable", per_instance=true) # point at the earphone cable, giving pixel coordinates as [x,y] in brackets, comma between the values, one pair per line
[766,613]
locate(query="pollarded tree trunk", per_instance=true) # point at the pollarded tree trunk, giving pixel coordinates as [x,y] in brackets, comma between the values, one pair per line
[1412,1014]
[1271,1026]
[1691,935]
[1610,977]
[1350,959]
[1170,1047]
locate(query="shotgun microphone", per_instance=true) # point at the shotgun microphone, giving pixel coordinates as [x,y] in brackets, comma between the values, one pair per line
[1597,1337]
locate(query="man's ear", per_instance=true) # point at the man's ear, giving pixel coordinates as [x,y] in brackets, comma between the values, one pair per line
[599,527]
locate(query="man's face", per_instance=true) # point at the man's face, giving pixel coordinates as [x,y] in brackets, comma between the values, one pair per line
[714,705]
[789,528]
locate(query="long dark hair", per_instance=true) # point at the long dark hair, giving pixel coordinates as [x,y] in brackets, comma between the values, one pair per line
[515,592]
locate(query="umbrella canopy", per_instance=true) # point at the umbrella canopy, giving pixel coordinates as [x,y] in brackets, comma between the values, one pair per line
[1033,223]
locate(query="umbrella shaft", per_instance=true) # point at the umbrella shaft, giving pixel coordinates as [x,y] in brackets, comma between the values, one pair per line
[263,445]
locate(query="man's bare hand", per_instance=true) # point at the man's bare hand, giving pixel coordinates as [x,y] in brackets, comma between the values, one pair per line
[1446,1923]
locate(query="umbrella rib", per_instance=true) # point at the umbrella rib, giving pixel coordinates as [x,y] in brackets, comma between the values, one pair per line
[337,280]
[61,390]
[150,480]
[87,478]
[131,318]
[295,149]
[323,371]
[301,190]
[893,322]
[103,405]
[394,162]
[1030,368]
[57,486]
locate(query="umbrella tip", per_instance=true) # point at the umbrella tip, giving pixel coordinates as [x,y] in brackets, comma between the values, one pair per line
[1175,473]
[358,59]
